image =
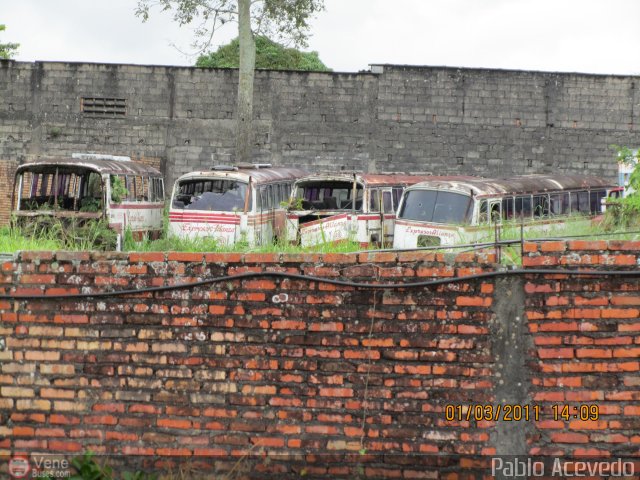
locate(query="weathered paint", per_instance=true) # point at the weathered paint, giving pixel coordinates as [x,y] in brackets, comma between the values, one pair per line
[251,225]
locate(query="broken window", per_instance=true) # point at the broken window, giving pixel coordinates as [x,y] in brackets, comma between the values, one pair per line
[218,195]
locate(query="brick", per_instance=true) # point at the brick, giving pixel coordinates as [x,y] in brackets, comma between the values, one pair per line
[174,423]
[587,425]
[185,257]
[580,245]
[553,246]
[569,437]
[288,325]
[261,258]
[38,279]
[540,261]
[146,257]
[464,301]
[18,392]
[336,392]
[620,313]
[593,353]
[33,404]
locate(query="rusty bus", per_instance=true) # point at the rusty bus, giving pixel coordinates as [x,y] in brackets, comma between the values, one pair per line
[232,203]
[126,194]
[464,210]
[357,207]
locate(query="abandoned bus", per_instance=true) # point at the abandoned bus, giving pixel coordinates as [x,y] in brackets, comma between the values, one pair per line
[462,210]
[232,203]
[339,207]
[127,194]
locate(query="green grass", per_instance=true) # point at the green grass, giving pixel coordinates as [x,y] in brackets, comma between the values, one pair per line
[53,235]
[177,244]
[13,240]
[574,228]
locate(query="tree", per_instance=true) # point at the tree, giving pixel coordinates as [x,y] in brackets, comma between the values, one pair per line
[7,50]
[269,55]
[279,19]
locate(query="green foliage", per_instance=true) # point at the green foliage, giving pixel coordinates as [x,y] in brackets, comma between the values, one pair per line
[87,468]
[7,50]
[128,242]
[625,154]
[269,55]
[118,189]
[625,212]
[13,240]
[91,204]
[46,232]
[279,19]
[630,157]
[204,244]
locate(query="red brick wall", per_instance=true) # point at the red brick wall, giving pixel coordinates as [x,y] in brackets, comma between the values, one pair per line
[328,379]
[586,332]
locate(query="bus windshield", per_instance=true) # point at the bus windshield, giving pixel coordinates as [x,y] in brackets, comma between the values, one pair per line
[436,206]
[210,194]
[328,195]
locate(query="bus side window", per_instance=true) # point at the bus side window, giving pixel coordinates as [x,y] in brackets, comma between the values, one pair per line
[154,197]
[484,216]
[397,193]
[559,203]
[573,196]
[540,205]
[266,200]
[523,206]
[143,195]
[258,199]
[130,184]
[387,204]
[508,208]
[281,194]
[374,203]
[160,190]
[272,196]
[596,201]
[496,215]
[583,202]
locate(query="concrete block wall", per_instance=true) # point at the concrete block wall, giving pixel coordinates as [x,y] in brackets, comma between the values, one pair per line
[446,120]
[324,380]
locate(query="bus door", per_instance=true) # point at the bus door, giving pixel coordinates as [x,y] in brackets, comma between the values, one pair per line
[495,211]
[387,212]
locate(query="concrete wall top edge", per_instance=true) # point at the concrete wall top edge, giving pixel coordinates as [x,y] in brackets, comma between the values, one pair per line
[45,63]
[395,67]
[498,70]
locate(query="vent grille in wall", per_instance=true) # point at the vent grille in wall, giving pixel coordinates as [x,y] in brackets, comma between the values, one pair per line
[104,107]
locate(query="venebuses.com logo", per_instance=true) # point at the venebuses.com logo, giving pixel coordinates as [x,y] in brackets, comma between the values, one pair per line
[19,467]
[41,467]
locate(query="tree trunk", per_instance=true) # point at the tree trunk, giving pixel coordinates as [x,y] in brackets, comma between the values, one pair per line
[244,130]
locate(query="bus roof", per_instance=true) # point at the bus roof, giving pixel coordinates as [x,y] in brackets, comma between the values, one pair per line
[112,167]
[376,179]
[514,185]
[258,175]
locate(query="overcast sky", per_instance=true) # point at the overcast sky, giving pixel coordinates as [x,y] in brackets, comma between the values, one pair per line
[591,36]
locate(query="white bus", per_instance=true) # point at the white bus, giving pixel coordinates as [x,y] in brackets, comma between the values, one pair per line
[127,194]
[232,203]
[322,207]
[463,210]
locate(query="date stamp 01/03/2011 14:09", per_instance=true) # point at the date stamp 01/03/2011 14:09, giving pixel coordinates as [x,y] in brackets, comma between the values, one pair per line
[520,413]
